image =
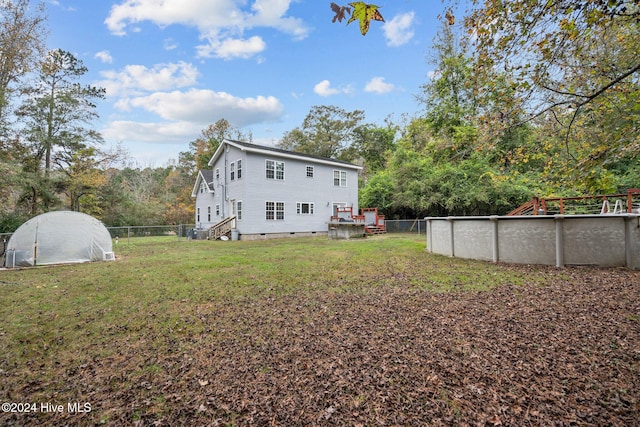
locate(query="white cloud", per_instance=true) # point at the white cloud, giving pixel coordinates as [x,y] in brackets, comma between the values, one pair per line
[220,22]
[104,56]
[398,31]
[185,114]
[171,132]
[324,89]
[232,48]
[378,85]
[204,106]
[136,79]
[169,44]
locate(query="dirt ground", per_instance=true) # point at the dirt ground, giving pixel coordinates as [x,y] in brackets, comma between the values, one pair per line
[566,353]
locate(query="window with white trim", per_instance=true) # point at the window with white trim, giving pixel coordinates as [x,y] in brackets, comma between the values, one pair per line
[208,213]
[274,211]
[217,173]
[239,210]
[198,215]
[217,210]
[339,178]
[304,208]
[232,167]
[274,170]
[239,169]
[310,171]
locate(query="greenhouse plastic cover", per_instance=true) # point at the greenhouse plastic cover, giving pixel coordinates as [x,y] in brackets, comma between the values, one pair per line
[59,238]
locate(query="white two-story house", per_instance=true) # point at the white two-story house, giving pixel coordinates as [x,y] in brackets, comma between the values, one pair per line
[265,192]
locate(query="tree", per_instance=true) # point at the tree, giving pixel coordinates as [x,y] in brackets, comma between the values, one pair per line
[57,113]
[326,131]
[449,124]
[58,108]
[575,61]
[374,145]
[22,36]
[202,149]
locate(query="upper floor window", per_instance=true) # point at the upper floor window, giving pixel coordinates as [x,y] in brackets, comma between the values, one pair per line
[239,168]
[309,171]
[275,170]
[217,173]
[339,178]
[233,171]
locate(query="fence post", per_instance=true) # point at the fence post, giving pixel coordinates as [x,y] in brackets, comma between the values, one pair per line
[452,241]
[628,242]
[559,220]
[427,236]
[496,241]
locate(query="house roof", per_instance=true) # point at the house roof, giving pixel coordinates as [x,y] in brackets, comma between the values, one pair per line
[255,148]
[206,176]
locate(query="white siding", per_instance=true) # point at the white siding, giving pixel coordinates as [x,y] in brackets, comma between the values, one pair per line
[254,189]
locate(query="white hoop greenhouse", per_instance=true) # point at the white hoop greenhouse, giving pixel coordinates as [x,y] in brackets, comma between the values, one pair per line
[59,238]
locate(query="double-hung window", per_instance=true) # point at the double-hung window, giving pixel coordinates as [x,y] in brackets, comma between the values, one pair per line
[310,171]
[233,170]
[274,211]
[239,209]
[239,169]
[274,170]
[339,178]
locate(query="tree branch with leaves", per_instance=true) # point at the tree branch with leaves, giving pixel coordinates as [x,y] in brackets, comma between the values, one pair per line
[362,12]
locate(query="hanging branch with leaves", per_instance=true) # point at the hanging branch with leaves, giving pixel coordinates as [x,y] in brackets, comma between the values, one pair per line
[363,12]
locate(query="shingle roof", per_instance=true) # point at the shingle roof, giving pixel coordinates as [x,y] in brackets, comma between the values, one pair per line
[288,152]
[207,175]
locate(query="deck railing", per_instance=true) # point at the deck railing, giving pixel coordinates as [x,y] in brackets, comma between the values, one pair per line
[223,228]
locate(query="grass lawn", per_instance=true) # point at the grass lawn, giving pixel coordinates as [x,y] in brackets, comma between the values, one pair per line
[311,331]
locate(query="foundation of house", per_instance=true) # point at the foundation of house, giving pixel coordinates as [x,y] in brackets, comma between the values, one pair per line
[265,236]
[346,230]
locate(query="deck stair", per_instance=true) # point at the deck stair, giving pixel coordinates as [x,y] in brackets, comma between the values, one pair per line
[222,228]
[373,223]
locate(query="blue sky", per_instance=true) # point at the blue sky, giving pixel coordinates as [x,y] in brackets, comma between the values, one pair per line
[172,67]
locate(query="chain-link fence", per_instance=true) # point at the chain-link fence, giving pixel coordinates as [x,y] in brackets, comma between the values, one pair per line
[180,231]
[187,231]
[4,241]
[418,226]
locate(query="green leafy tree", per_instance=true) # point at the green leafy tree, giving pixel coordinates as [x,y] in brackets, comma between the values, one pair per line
[59,109]
[571,63]
[22,35]
[374,145]
[202,149]
[57,114]
[327,131]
